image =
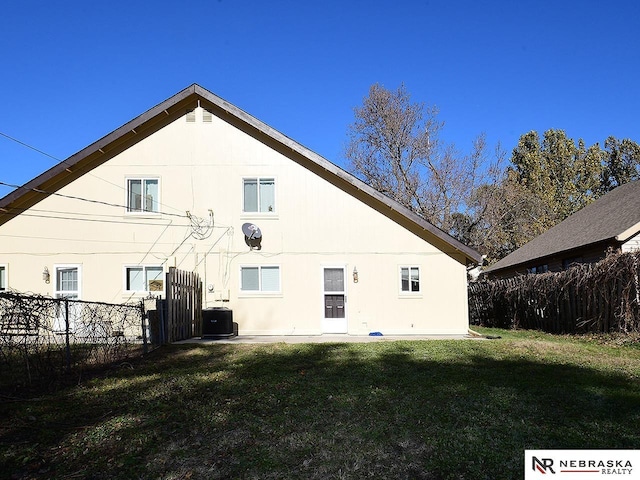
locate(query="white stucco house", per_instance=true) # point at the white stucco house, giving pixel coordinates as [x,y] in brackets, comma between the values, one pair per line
[290,242]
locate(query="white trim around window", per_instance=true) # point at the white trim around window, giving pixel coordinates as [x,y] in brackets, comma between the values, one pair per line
[67,281]
[409,277]
[4,277]
[260,280]
[143,279]
[142,195]
[259,195]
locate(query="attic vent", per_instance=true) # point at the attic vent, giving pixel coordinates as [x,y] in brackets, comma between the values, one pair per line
[207,116]
[191,116]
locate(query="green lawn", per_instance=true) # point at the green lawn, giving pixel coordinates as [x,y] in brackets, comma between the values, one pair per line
[442,409]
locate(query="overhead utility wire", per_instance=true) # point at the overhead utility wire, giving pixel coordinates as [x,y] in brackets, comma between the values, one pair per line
[73,197]
[102,218]
[32,148]
[132,221]
[67,164]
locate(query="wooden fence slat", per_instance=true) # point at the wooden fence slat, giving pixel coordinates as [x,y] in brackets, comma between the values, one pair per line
[184,304]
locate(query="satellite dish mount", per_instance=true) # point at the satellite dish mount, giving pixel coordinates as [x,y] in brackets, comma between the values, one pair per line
[252,236]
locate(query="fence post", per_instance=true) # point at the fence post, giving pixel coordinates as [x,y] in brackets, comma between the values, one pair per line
[66,334]
[170,306]
[145,344]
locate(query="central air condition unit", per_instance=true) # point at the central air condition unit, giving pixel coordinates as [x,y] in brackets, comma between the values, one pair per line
[218,323]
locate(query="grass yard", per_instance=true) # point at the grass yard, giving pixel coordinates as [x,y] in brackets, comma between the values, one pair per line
[442,409]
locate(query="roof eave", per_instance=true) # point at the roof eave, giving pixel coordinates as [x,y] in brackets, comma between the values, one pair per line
[89,157]
[628,233]
[100,151]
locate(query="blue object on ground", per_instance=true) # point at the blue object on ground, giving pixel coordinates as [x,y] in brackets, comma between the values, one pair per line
[375,334]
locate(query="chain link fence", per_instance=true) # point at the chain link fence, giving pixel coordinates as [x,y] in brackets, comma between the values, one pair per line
[43,338]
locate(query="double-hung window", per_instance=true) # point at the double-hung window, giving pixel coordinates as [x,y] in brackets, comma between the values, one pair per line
[144,278]
[259,195]
[68,285]
[67,281]
[410,280]
[3,278]
[143,195]
[260,279]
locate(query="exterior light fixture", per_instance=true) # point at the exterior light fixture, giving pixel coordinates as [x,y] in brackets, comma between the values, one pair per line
[45,275]
[355,275]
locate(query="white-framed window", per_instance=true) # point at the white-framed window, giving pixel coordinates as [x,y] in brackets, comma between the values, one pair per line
[3,277]
[259,195]
[68,281]
[144,278]
[260,279]
[410,280]
[143,195]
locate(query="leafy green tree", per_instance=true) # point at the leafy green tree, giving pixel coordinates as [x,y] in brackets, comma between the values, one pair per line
[563,176]
[621,163]
[548,179]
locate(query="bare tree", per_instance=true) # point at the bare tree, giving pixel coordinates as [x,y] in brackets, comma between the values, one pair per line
[394,146]
[388,143]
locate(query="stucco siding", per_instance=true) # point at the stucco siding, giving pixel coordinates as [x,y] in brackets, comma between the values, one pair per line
[200,167]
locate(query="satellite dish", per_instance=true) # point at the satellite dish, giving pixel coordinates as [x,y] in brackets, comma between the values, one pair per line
[251,230]
[252,235]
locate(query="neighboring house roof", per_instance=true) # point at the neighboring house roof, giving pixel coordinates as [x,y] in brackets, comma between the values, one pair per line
[614,217]
[144,125]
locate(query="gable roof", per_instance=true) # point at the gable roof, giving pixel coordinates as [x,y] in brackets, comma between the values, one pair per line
[174,107]
[614,217]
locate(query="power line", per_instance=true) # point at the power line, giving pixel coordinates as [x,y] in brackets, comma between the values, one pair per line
[31,147]
[73,197]
[99,220]
[68,165]
[85,240]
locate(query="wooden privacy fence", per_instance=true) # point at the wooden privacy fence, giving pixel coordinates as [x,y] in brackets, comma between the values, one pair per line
[604,297]
[183,305]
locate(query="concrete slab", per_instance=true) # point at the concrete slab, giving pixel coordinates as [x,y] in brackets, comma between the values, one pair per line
[326,338]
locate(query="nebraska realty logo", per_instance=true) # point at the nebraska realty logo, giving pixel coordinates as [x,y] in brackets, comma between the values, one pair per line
[582,464]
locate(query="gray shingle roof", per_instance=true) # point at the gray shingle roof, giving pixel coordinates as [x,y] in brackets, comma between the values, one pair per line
[614,216]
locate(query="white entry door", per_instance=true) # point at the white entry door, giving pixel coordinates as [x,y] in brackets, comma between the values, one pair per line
[334,300]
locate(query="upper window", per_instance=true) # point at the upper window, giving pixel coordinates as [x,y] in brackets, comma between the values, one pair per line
[259,195]
[142,278]
[3,278]
[260,279]
[410,279]
[143,195]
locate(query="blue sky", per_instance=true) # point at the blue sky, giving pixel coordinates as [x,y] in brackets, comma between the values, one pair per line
[74,71]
